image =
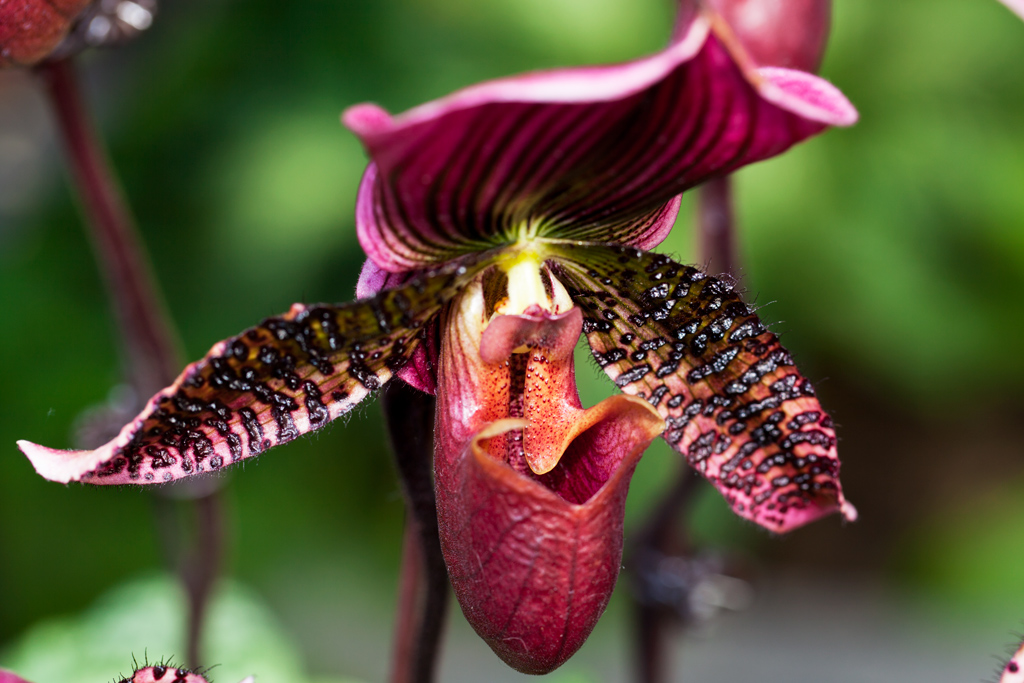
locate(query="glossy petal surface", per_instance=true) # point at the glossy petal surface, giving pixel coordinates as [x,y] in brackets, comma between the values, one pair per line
[270,384]
[532,556]
[594,153]
[735,405]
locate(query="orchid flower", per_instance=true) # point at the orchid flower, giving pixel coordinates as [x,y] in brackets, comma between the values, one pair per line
[501,223]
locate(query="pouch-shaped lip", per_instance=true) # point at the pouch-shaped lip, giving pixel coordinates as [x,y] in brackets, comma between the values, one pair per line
[533,570]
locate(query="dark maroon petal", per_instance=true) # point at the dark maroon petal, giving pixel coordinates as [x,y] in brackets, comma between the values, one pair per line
[287,376]
[735,405]
[593,153]
[533,571]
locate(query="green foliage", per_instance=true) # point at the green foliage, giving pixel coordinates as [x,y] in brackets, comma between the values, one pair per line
[144,619]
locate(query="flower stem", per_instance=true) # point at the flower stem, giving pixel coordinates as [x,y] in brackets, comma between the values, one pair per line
[716,226]
[659,537]
[423,582]
[200,571]
[148,337]
[151,346]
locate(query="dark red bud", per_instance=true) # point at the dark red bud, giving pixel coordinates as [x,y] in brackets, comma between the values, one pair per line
[31,29]
[787,33]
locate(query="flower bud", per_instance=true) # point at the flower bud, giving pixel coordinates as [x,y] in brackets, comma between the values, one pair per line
[786,33]
[31,29]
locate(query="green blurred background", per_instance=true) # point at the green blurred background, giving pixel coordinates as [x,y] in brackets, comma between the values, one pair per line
[892,256]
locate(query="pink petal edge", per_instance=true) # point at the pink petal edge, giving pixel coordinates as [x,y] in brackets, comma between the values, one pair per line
[797,91]
[67,466]
[10,677]
[1016,6]
[806,95]
[575,84]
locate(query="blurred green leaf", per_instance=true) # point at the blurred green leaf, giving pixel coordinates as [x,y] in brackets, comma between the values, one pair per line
[145,619]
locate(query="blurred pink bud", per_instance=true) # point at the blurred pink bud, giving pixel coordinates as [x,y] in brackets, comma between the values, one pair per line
[787,33]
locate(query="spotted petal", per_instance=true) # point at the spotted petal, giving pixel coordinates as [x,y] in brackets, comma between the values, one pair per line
[594,153]
[734,404]
[287,376]
[161,674]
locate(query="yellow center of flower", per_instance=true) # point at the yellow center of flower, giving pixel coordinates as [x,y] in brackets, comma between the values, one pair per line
[530,283]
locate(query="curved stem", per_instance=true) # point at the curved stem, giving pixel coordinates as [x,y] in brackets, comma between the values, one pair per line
[716,226]
[423,582]
[659,536]
[151,347]
[200,571]
[150,343]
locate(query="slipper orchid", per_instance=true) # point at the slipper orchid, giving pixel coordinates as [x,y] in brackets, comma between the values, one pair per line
[502,222]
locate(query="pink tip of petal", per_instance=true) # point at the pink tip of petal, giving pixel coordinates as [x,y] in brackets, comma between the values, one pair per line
[8,677]
[657,233]
[62,466]
[366,119]
[847,510]
[1015,6]
[809,96]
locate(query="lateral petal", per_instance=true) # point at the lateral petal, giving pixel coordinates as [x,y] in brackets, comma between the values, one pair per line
[285,377]
[735,405]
